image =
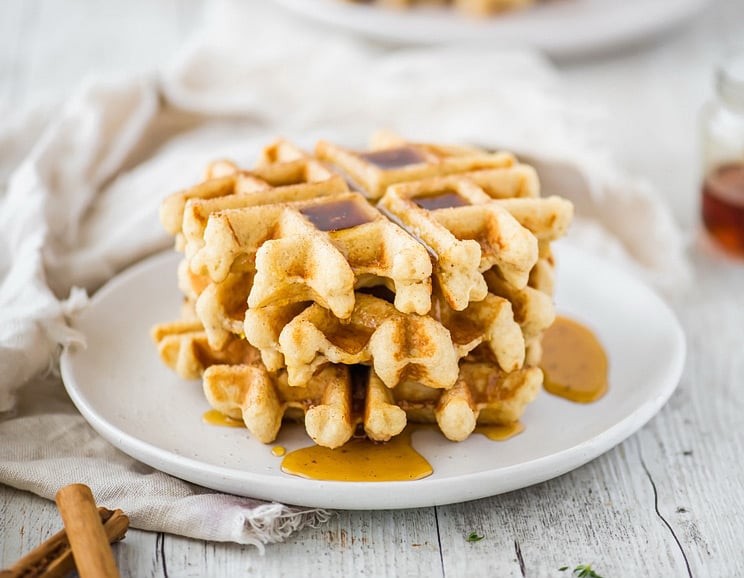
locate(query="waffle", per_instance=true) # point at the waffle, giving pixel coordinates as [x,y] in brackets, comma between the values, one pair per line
[548,218]
[533,309]
[261,400]
[185,213]
[280,151]
[397,345]
[292,246]
[191,285]
[467,231]
[420,295]
[183,347]
[221,308]
[482,395]
[219,180]
[371,172]
[278,183]
[489,323]
[510,179]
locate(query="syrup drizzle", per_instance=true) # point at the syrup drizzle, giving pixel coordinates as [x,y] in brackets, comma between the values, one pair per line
[338,215]
[574,362]
[394,158]
[500,433]
[443,200]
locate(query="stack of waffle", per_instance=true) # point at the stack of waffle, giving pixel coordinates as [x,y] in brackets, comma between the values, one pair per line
[362,290]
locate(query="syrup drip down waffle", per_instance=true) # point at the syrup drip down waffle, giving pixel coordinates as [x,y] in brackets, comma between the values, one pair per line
[361,290]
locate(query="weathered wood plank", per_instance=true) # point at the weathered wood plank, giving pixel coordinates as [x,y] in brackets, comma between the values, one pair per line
[139,554]
[601,514]
[385,543]
[25,522]
[694,451]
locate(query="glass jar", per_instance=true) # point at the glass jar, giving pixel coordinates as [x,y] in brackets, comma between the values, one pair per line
[723,158]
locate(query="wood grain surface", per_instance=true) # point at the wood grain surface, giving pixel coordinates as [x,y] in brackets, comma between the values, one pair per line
[667,502]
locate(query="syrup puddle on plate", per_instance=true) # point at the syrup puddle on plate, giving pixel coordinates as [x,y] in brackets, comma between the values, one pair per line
[500,433]
[574,363]
[362,460]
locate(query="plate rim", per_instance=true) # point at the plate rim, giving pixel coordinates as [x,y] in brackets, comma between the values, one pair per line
[414,27]
[525,474]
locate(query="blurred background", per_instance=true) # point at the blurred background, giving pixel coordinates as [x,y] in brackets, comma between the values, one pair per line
[646,93]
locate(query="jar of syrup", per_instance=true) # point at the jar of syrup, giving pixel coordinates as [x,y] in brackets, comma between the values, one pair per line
[723,158]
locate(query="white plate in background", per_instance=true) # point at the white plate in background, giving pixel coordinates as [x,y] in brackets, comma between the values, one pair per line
[559,27]
[125,392]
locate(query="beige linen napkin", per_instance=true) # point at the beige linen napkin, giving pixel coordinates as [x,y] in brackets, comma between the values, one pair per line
[82,184]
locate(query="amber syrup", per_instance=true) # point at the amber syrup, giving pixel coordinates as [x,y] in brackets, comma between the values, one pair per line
[723,206]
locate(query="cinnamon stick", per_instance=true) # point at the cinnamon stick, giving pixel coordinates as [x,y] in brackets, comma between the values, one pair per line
[90,546]
[53,558]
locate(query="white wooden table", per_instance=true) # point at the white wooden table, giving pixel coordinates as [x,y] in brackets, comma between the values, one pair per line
[667,502]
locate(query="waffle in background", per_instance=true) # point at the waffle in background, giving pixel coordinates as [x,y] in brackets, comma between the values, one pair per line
[474,7]
[360,290]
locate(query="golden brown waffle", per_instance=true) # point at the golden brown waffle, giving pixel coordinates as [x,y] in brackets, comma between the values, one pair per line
[293,246]
[382,418]
[265,324]
[306,300]
[226,186]
[467,231]
[482,395]
[490,323]
[280,151]
[183,347]
[397,345]
[219,180]
[221,308]
[191,285]
[511,179]
[533,309]
[261,400]
[547,218]
[373,171]
[277,183]
[328,405]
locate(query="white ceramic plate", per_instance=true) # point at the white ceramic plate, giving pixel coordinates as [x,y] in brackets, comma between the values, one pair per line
[120,386]
[560,27]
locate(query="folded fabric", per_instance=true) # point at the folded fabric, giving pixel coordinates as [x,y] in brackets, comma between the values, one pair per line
[82,195]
